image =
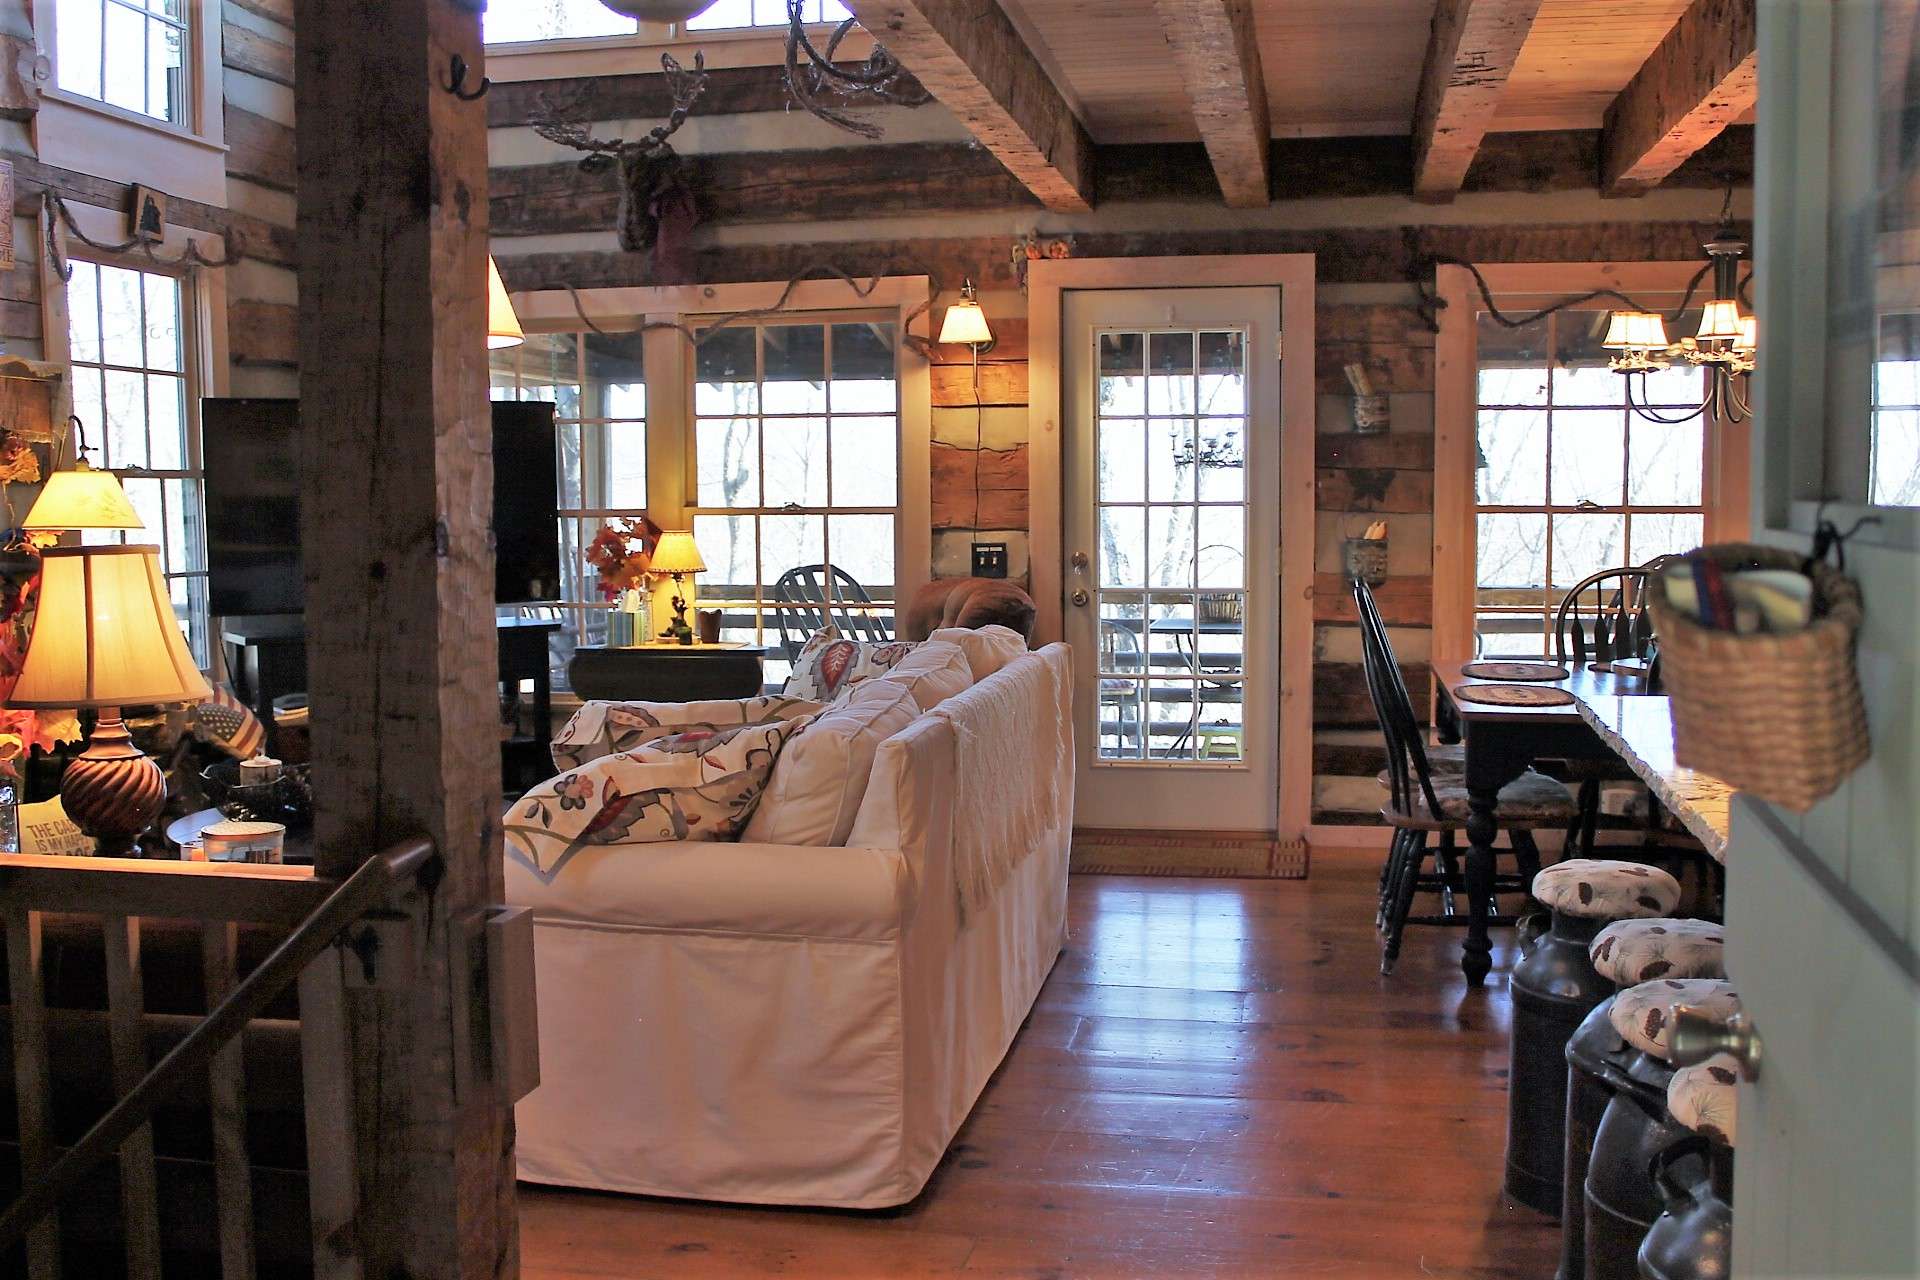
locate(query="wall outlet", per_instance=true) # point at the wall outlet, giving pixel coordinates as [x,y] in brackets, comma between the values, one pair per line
[989,559]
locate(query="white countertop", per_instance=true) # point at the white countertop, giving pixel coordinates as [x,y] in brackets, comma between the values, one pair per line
[1640,728]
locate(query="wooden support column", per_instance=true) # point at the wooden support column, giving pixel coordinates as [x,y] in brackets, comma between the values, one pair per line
[1212,41]
[1699,80]
[968,55]
[396,487]
[1469,56]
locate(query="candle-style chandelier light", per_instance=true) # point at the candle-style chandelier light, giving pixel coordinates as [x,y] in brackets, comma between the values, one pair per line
[1725,348]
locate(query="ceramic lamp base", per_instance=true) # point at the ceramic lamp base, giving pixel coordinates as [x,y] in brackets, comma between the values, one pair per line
[113,791]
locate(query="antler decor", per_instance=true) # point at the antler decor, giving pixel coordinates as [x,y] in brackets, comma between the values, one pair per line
[881,76]
[657,209]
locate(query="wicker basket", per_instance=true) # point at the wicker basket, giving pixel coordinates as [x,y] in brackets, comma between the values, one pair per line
[1779,716]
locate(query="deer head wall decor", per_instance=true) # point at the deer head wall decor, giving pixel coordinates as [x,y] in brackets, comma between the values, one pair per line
[657,209]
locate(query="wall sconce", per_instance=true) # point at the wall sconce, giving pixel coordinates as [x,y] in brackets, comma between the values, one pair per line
[965,323]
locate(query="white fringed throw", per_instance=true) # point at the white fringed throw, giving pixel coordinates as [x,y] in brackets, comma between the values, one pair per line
[1008,758]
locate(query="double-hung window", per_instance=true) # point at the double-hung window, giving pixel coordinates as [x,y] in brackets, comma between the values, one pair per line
[796,465]
[1567,479]
[1893,460]
[131,54]
[135,387]
[597,385]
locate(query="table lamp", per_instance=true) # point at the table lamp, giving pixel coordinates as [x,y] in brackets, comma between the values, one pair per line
[81,498]
[105,637]
[677,554]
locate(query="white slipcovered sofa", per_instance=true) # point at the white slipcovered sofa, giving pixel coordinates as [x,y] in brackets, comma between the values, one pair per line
[780,1024]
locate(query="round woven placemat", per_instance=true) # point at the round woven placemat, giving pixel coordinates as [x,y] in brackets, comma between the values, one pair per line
[1514,671]
[1513,695]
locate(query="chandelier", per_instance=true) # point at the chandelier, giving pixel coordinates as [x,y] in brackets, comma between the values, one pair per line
[1725,348]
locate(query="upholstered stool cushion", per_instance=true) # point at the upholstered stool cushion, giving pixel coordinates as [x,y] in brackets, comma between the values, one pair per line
[1628,952]
[1532,798]
[1643,1015]
[1703,1097]
[1599,889]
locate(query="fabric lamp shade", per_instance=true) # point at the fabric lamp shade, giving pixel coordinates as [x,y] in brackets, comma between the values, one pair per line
[1749,339]
[503,326]
[1720,321]
[105,634]
[965,324]
[676,553]
[82,499]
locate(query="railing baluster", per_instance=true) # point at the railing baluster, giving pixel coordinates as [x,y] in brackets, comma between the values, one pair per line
[226,1090]
[127,1038]
[326,1060]
[30,1078]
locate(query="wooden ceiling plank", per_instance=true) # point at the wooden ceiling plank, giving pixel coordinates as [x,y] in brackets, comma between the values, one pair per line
[1219,61]
[1469,56]
[968,55]
[1701,78]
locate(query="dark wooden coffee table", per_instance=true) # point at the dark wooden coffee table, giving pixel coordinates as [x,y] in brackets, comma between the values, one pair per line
[668,672]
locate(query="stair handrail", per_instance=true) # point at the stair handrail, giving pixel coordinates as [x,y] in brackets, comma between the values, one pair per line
[358,894]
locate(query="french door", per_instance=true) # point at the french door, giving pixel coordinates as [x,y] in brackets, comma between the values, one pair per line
[1171,459]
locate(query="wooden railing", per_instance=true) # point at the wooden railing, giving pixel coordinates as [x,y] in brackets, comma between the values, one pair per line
[220,897]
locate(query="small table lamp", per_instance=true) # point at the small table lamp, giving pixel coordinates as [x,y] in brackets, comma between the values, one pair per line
[105,637]
[677,554]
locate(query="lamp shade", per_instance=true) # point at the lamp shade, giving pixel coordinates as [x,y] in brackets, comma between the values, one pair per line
[676,553]
[965,323]
[1720,321]
[503,327]
[82,499]
[1749,339]
[105,634]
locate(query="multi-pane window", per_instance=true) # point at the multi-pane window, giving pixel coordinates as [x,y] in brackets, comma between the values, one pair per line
[1569,481]
[1170,431]
[597,385]
[583,19]
[1894,460]
[553,20]
[130,334]
[127,53]
[796,445]
[763,13]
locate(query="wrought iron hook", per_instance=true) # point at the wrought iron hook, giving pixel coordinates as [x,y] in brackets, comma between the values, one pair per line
[457,84]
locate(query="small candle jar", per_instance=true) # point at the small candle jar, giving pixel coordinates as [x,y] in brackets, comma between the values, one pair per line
[233,841]
[259,771]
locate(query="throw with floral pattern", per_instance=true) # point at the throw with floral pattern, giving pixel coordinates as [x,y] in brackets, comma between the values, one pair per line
[697,785]
[603,728]
[829,664]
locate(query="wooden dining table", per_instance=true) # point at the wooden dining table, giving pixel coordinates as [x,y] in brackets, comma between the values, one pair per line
[1502,742]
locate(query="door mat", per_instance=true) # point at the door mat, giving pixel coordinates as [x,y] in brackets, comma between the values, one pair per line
[1187,853]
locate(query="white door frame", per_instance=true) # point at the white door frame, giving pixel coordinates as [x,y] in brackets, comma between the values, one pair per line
[1047,281]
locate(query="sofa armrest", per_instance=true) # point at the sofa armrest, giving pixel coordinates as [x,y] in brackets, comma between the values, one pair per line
[760,890]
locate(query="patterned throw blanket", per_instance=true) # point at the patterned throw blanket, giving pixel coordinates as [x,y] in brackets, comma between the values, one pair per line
[1009,758]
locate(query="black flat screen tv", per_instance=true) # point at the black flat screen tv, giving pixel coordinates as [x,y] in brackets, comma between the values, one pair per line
[252,463]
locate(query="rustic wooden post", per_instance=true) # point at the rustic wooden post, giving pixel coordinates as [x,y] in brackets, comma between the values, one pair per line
[397,497]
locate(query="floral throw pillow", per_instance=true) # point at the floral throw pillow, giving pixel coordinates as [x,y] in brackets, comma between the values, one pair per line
[603,728]
[694,786]
[830,664]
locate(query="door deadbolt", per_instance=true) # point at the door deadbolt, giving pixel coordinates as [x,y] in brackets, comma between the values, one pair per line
[1079,560]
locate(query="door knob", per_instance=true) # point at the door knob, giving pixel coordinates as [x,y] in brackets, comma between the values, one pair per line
[1079,560]
[1080,598]
[1695,1037]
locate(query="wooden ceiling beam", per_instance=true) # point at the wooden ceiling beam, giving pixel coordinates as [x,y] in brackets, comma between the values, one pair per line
[1699,80]
[1213,45]
[967,54]
[1469,56]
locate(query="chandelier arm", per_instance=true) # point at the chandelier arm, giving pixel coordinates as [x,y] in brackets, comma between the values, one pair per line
[1659,419]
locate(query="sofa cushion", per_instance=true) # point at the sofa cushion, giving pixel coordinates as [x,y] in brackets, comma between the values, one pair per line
[634,799]
[602,728]
[988,648]
[933,673]
[829,664]
[821,778]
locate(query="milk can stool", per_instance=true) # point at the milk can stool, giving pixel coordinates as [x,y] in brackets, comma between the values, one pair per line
[1625,954]
[1693,1238]
[1621,1198]
[1553,987]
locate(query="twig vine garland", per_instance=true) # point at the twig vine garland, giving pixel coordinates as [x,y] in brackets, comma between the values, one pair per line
[55,207]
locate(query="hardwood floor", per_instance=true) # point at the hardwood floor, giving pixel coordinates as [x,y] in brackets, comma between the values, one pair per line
[1216,1082]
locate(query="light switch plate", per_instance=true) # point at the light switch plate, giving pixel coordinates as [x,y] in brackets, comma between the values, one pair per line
[989,559]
